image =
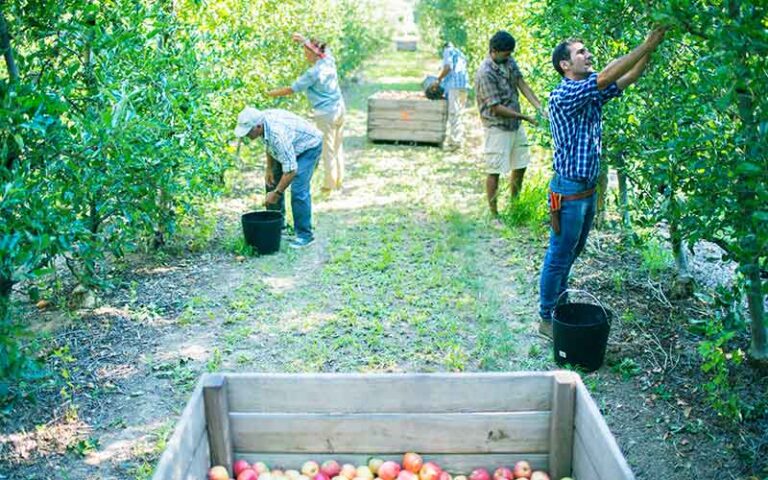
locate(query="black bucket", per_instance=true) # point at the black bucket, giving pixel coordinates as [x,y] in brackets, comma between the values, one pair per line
[580,334]
[262,230]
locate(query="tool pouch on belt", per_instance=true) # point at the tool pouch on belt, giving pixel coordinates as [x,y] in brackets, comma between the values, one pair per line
[556,203]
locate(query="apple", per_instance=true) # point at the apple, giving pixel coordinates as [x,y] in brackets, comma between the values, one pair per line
[331,468]
[522,469]
[239,466]
[407,475]
[310,468]
[412,462]
[248,474]
[429,471]
[260,467]
[266,476]
[460,477]
[444,476]
[479,474]
[539,475]
[389,470]
[364,472]
[374,464]
[277,473]
[321,476]
[218,473]
[502,473]
[566,478]
[292,474]
[339,477]
[348,470]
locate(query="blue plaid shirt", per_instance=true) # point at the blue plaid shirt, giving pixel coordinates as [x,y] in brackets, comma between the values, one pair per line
[575,112]
[287,135]
[321,83]
[457,77]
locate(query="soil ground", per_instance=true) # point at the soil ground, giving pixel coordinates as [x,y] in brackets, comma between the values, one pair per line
[408,274]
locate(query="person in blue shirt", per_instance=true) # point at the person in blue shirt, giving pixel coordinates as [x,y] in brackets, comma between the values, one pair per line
[455,82]
[293,146]
[321,82]
[575,112]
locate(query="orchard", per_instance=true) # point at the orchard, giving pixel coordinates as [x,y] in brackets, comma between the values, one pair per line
[125,173]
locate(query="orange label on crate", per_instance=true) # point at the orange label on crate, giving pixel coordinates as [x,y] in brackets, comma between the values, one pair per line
[405,115]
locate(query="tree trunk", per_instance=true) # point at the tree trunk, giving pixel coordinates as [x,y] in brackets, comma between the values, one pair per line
[683,285]
[6,288]
[5,46]
[758,350]
[626,222]
[602,192]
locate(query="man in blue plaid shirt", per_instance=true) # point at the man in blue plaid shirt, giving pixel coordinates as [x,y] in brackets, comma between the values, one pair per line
[575,111]
[293,146]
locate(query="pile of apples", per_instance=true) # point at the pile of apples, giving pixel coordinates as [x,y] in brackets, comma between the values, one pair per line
[413,467]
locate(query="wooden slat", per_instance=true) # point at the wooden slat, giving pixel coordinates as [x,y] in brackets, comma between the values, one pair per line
[384,393]
[422,104]
[200,462]
[501,432]
[437,127]
[561,427]
[414,115]
[180,449]
[217,419]
[598,442]
[582,463]
[404,135]
[454,464]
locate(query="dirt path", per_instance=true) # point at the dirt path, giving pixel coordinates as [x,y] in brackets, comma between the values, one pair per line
[407,275]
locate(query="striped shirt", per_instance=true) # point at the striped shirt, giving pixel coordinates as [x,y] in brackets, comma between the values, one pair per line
[575,112]
[287,135]
[457,78]
[321,82]
[496,84]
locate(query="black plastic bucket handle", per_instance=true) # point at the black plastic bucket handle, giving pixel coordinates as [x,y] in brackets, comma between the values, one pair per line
[608,318]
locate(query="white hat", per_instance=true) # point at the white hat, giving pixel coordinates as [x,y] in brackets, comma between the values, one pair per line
[247,119]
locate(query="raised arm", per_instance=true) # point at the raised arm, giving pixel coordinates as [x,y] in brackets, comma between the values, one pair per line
[631,76]
[281,92]
[621,66]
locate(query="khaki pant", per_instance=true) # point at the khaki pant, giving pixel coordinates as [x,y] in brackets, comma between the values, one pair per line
[505,150]
[457,100]
[332,126]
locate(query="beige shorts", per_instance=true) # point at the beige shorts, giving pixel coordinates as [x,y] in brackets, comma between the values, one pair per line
[505,150]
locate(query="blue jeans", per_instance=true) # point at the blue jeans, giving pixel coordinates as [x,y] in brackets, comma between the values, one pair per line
[575,222]
[301,197]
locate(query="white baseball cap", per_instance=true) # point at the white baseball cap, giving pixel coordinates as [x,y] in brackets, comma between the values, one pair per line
[247,119]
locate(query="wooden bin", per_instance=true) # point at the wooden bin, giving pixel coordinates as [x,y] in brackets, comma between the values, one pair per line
[406,117]
[462,421]
[406,45]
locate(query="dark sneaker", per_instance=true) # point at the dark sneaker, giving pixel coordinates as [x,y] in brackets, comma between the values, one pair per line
[299,242]
[545,328]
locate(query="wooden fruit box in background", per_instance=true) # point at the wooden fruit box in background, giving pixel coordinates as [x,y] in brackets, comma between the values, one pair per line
[461,421]
[406,45]
[406,117]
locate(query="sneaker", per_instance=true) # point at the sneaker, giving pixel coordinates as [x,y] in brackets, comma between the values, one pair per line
[299,242]
[545,329]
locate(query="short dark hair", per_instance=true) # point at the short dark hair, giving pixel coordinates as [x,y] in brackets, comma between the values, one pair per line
[502,41]
[563,52]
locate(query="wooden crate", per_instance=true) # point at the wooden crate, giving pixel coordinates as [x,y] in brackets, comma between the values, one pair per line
[406,117]
[406,45]
[462,421]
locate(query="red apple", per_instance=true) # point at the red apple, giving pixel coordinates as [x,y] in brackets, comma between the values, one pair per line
[248,474]
[310,468]
[429,471]
[522,469]
[218,473]
[374,464]
[444,476]
[239,466]
[539,475]
[321,476]
[389,470]
[331,468]
[412,462]
[479,474]
[348,470]
[407,475]
[502,473]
